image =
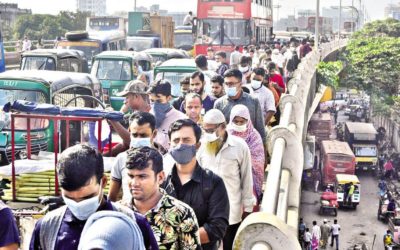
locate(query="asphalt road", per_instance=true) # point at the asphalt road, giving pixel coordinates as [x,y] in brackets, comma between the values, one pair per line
[357,226]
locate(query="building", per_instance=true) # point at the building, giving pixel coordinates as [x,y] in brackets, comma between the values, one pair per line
[392,11]
[349,18]
[8,15]
[95,7]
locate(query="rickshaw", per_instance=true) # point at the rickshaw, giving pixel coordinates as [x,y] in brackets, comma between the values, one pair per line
[161,55]
[328,202]
[115,69]
[52,87]
[69,60]
[341,187]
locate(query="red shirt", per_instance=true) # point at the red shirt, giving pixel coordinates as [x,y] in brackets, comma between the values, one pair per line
[279,80]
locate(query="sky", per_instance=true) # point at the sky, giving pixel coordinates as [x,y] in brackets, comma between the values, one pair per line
[375,8]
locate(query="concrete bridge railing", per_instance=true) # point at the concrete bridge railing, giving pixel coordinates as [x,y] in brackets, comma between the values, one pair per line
[276,225]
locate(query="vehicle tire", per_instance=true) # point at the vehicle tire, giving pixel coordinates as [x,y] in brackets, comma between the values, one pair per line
[76,35]
[355,206]
[321,211]
[335,212]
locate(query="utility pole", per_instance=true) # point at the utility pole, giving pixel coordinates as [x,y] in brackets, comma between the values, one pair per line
[352,16]
[317,26]
[340,18]
[134,5]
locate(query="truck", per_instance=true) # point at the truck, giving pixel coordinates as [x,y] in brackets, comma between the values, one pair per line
[147,31]
[362,138]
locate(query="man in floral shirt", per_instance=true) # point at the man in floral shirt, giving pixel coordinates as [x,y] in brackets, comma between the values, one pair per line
[173,222]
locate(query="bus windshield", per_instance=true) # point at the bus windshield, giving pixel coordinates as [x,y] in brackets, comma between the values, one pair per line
[113,70]
[10,95]
[226,31]
[139,44]
[38,63]
[89,48]
[182,39]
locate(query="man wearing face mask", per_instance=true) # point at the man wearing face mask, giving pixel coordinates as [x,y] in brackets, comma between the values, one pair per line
[165,114]
[82,180]
[229,157]
[263,94]
[142,128]
[245,69]
[201,189]
[235,95]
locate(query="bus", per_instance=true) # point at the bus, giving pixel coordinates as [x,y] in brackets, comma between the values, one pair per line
[93,43]
[2,56]
[105,23]
[224,24]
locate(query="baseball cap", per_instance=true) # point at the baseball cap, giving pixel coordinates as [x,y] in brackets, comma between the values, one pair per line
[162,87]
[214,116]
[134,87]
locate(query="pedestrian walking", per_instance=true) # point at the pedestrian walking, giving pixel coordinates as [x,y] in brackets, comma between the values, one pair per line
[307,239]
[388,169]
[335,229]
[302,231]
[316,236]
[325,232]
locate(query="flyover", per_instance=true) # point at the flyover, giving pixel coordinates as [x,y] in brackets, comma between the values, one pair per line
[275,227]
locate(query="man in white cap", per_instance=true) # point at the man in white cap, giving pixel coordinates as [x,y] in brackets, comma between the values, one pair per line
[325,232]
[229,157]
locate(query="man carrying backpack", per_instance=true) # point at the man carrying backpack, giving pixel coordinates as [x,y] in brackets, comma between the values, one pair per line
[198,187]
[292,61]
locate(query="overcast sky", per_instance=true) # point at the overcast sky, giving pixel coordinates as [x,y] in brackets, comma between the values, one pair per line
[375,8]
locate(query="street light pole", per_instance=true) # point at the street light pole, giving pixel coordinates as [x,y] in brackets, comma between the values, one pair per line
[340,18]
[134,5]
[317,26]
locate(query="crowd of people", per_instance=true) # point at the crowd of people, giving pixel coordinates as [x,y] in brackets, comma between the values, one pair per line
[188,170]
[318,236]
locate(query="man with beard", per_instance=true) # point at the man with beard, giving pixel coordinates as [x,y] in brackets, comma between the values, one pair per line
[217,86]
[229,157]
[165,114]
[197,84]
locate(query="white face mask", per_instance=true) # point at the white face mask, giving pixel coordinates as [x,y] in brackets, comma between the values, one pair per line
[83,209]
[209,137]
[239,128]
[243,69]
[256,84]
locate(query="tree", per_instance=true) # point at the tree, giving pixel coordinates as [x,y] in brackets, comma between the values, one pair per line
[373,59]
[328,73]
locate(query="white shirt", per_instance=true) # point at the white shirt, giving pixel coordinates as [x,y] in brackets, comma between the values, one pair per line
[119,172]
[233,165]
[187,20]
[316,232]
[235,57]
[265,97]
[307,237]
[335,229]
[26,45]
[279,59]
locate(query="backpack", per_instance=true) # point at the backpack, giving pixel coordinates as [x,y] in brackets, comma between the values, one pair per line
[293,62]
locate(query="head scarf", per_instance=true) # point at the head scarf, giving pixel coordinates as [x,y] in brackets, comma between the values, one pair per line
[255,143]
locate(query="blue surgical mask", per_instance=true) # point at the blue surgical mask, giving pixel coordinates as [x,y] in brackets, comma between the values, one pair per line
[231,91]
[160,111]
[83,209]
[183,153]
[139,142]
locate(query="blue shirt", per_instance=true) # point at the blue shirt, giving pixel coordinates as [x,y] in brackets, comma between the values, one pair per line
[8,229]
[71,228]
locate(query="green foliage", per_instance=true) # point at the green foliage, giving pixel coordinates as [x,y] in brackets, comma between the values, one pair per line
[328,73]
[373,59]
[48,26]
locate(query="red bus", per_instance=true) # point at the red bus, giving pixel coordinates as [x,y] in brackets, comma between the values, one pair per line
[223,24]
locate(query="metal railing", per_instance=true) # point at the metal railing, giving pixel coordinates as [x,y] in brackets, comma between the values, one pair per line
[276,225]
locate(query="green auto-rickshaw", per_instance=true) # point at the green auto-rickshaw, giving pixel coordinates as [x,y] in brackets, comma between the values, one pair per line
[115,69]
[41,86]
[69,60]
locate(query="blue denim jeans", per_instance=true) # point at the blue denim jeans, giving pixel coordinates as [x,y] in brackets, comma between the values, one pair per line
[335,237]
